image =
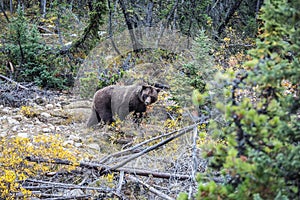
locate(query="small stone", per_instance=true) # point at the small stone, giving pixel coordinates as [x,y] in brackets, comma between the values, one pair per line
[23,135]
[58,129]
[15,128]
[6,110]
[12,121]
[46,130]
[3,134]
[68,142]
[78,144]
[40,100]
[17,117]
[58,105]
[75,138]
[94,146]
[49,106]
[3,118]
[46,115]
[38,122]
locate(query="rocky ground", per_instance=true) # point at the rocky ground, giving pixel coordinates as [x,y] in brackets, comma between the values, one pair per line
[65,115]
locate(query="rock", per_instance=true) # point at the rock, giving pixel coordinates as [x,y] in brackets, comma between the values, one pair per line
[23,135]
[58,129]
[58,105]
[94,146]
[45,115]
[78,144]
[49,106]
[37,122]
[18,117]
[68,142]
[15,128]
[6,110]
[79,104]
[3,134]
[40,100]
[46,130]
[75,138]
[12,121]
[79,114]
[3,118]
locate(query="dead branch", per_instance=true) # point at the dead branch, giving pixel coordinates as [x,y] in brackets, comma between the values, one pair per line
[120,182]
[14,82]
[151,189]
[45,30]
[101,167]
[65,186]
[151,148]
[194,152]
[51,196]
[134,149]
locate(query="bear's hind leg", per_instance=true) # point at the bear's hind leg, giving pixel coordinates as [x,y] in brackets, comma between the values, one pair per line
[94,118]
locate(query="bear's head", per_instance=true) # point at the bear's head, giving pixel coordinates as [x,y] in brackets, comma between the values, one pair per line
[148,94]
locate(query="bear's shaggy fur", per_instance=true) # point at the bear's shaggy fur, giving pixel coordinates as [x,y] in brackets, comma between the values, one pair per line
[121,100]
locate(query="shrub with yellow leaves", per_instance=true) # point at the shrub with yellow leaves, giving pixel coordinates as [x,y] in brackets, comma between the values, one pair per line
[28,111]
[16,168]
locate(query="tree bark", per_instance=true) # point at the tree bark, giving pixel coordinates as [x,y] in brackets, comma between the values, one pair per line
[43,8]
[136,45]
[3,11]
[110,29]
[228,15]
[90,37]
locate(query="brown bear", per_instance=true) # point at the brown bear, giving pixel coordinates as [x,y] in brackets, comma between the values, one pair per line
[121,100]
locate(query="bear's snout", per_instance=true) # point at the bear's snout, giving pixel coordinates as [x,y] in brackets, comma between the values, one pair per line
[148,101]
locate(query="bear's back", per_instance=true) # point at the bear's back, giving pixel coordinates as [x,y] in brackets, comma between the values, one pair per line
[121,97]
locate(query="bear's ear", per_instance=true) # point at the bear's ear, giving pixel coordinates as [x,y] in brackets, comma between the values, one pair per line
[157,90]
[144,87]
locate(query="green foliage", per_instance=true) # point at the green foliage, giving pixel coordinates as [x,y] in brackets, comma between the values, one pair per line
[262,152]
[109,78]
[198,74]
[201,70]
[87,84]
[91,81]
[29,55]
[182,196]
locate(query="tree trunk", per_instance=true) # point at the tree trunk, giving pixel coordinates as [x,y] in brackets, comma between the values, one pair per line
[43,8]
[129,22]
[11,6]
[3,11]
[90,36]
[110,29]
[228,15]
[221,12]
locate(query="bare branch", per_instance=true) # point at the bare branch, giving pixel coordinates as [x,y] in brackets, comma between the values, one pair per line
[151,189]
[101,167]
[67,186]
[151,148]
[14,82]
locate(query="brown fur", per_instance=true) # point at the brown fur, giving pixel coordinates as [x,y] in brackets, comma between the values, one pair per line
[121,100]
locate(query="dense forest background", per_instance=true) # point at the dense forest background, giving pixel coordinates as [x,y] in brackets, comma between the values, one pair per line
[229,73]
